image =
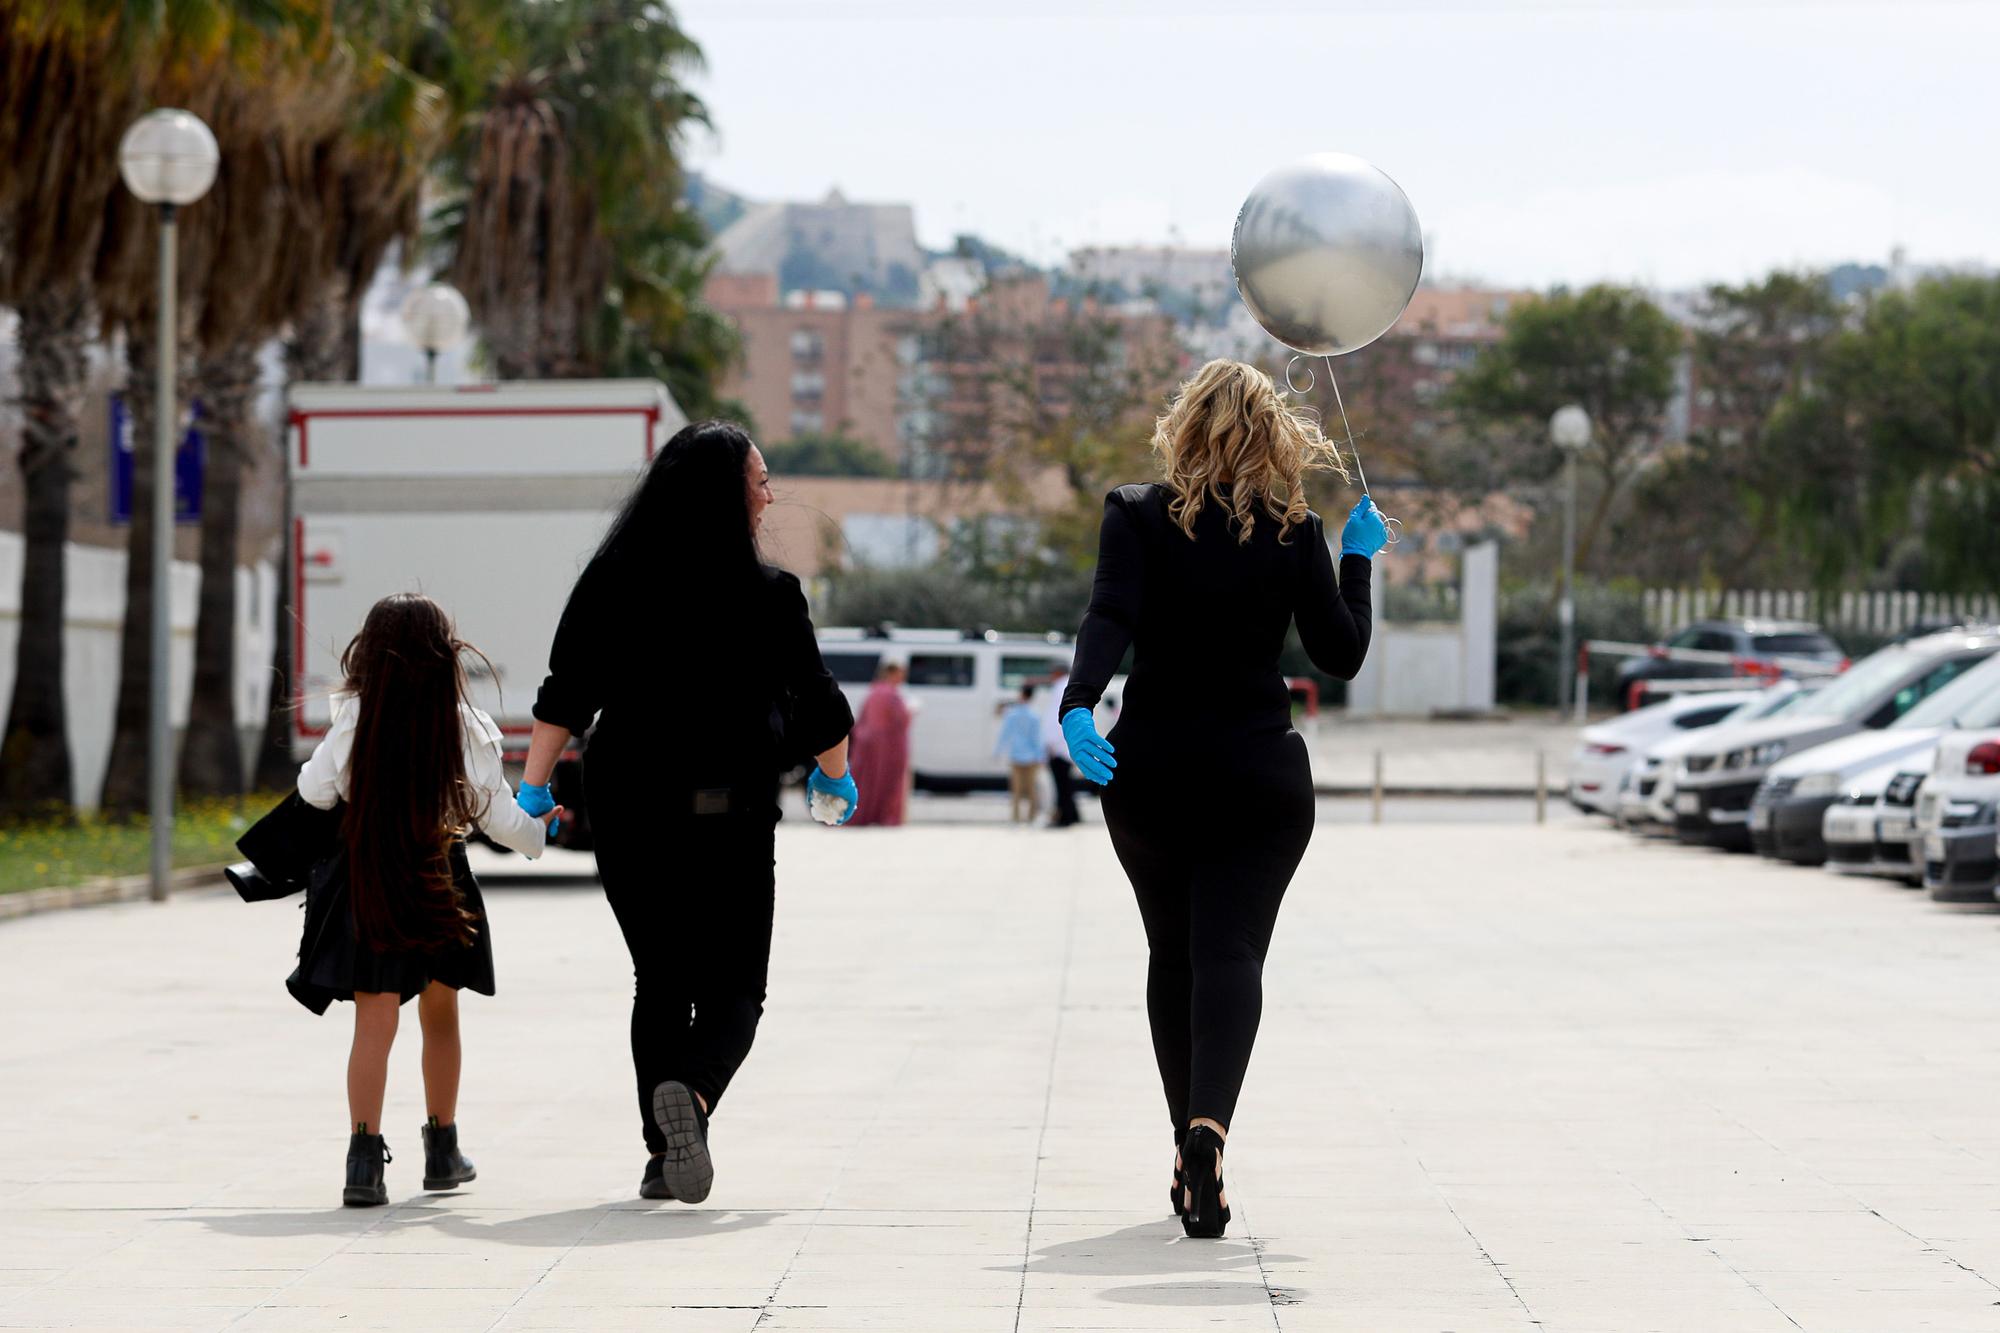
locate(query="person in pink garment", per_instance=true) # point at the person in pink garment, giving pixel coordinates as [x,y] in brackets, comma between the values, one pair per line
[881,750]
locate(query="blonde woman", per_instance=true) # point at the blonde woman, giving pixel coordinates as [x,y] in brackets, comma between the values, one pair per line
[1212,803]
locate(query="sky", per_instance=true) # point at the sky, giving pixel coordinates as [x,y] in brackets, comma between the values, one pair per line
[1670,143]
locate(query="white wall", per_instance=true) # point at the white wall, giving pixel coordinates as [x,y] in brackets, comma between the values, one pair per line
[1415,670]
[94,607]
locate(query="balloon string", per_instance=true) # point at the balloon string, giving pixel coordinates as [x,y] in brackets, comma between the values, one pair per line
[1391,525]
[1346,429]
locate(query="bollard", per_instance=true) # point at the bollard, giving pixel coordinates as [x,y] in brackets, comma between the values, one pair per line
[1541,788]
[1378,787]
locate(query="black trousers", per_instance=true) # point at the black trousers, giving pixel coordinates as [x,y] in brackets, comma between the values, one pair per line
[1064,774]
[693,896]
[1209,883]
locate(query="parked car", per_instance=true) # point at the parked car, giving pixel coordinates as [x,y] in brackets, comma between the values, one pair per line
[1605,753]
[1753,645]
[1872,828]
[1646,799]
[1789,808]
[1716,780]
[1956,818]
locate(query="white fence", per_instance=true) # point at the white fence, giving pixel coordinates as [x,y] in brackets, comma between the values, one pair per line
[1667,609]
[93,613]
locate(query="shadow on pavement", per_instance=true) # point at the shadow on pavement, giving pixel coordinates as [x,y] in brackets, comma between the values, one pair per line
[586,1228]
[1151,1247]
[1202,1293]
[1160,1249]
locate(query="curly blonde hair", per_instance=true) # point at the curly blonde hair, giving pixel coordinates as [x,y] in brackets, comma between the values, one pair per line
[1229,425]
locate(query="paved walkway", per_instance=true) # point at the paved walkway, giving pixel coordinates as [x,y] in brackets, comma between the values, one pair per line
[1510,1078]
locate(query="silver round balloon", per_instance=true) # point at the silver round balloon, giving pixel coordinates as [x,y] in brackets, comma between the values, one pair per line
[1327,252]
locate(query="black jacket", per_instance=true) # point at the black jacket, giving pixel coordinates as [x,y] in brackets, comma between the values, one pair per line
[730,691]
[284,846]
[1206,618]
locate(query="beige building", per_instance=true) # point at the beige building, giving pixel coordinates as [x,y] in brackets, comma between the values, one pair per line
[815,363]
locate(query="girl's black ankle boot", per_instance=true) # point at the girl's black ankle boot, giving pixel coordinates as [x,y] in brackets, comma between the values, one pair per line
[366,1187]
[445,1167]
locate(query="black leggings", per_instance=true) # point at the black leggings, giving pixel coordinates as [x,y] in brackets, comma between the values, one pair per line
[693,896]
[1209,885]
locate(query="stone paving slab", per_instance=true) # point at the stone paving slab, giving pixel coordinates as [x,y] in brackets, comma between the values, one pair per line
[1510,1078]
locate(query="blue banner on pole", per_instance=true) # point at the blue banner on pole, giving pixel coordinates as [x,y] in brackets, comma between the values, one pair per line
[187,466]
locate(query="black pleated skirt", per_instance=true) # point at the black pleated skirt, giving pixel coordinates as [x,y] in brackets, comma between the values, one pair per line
[334,963]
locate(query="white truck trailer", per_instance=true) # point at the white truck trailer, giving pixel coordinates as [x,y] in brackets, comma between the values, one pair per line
[486,497]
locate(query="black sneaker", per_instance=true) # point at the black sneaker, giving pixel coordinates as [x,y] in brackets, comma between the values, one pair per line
[652,1185]
[366,1184]
[445,1167]
[686,1169]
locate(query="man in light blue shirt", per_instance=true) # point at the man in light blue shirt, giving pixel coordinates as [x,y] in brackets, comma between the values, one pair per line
[1020,745]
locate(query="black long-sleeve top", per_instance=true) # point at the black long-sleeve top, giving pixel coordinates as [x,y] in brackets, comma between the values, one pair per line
[1207,618]
[730,691]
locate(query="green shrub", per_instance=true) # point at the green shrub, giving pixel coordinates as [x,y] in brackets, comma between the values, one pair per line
[1529,639]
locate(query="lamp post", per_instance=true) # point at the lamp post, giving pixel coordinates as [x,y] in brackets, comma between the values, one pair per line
[168,158]
[1569,430]
[436,316]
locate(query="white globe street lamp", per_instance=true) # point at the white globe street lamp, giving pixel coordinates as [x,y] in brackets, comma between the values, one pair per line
[168,158]
[437,317]
[1569,431]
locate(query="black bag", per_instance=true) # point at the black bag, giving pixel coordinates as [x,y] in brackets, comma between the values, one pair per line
[283,848]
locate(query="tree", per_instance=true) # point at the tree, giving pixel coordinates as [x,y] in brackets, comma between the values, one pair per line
[569,205]
[226,62]
[827,456]
[1609,349]
[67,91]
[1050,402]
[353,192]
[276,110]
[1716,511]
[1905,439]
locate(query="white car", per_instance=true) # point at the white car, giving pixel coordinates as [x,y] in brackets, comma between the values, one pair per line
[1788,812]
[1647,799]
[1871,828]
[1605,753]
[1717,781]
[1958,818]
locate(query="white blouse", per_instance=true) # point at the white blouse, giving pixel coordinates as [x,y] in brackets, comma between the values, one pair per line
[323,780]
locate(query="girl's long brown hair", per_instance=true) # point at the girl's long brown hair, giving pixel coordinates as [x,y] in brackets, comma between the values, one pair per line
[408,796]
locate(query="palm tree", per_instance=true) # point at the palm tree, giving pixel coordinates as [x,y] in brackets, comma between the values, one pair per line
[564,176]
[242,308]
[208,57]
[356,192]
[66,96]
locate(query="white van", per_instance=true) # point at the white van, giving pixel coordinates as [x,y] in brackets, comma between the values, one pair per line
[958,685]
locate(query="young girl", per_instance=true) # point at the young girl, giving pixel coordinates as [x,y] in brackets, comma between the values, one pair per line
[395,912]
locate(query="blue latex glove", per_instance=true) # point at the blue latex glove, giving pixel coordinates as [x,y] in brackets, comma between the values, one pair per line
[1366,532]
[1090,752]
[538,801]
[841,788]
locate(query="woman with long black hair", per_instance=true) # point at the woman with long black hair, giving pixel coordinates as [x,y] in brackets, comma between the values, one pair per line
[698,665]
[1211,809]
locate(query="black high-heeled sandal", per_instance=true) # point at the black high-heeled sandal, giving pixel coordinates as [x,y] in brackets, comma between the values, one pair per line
[1201,1178]
[1174,1191]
